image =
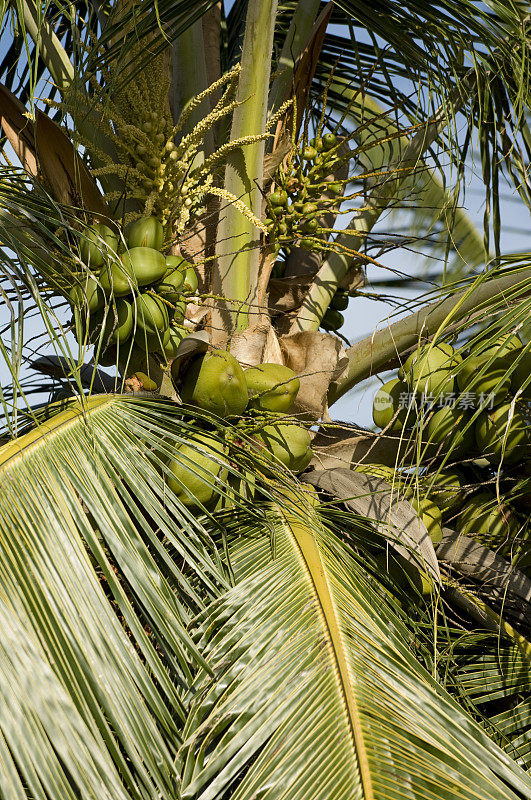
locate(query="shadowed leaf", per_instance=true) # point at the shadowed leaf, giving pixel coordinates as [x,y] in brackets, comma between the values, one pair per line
[18,129]
[68,177]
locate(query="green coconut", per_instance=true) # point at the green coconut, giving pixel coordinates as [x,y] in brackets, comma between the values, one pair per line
[340,300]
[196,471]
[153,342]
[405,574]
[450,428]
[484,377]
[388,408]
[119,323]
[521,376]
[95,244]
[145,232]
[505,346]
[115,278]
[332,320]
[430,515]
[502,430]
[176,335]
[177,262]
[190,281]
[151,314]
[136,267]
[146,264]
[431,369]
[216,383]
[288,442]
[444,489]
[271,387]
[170,287]
[87,294]
[179,311]
[487,521]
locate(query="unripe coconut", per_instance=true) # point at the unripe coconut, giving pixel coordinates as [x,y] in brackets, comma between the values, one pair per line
[136,267]
[96,241]
[115,278]
[176,335]
[196,470]
[288,442]
[87,294]
[332,320]
[483,376]
[339,300]
[450,427]
[154,342]
[171,285]
[271,387]
[215,382]
[151,314]
[505,346]
[190,281]
[146,264]
[179,311]
[521,376]
[145,232]
[279,198]
[502,431]
[430,515]
[444,489]
[329,140]
[489,522]
[431,370]
[317,143]
[404,573]
[387,403]
[119,323]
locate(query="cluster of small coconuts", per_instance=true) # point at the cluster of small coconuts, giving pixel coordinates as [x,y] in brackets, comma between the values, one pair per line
[216,383]
[472,409]
[146,291]
[296,208]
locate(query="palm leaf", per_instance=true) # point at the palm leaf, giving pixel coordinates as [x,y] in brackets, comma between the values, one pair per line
[494,678]
[315,692]
[101,571]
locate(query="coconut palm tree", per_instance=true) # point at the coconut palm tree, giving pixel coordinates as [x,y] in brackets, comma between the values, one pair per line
[191,607]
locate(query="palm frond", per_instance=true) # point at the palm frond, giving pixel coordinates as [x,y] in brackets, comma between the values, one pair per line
[493,677]
[306,653]
[94,547]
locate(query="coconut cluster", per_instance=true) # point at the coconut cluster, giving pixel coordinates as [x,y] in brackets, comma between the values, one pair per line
[471,408]
[132,290]
[295,210]
[216,383]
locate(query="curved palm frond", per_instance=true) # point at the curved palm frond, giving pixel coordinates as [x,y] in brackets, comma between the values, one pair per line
[94,548]
[493,678]
[314,685]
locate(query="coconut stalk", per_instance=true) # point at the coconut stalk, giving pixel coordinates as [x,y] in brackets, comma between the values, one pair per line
[373,353]
[354,236]
[236,270]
